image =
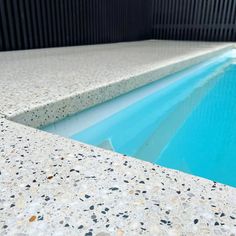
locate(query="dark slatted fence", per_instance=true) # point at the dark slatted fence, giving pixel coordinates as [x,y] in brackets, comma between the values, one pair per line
[210,20]
[26,24]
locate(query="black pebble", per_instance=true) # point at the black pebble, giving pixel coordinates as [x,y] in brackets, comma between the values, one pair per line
[89,234]
[113,189]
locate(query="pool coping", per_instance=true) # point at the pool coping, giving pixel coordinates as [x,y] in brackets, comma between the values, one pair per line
[81,100]
[191,196]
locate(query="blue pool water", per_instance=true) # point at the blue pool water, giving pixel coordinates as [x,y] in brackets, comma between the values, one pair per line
[188,124]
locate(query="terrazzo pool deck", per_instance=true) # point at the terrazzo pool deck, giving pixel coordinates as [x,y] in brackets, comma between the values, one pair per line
[51,185]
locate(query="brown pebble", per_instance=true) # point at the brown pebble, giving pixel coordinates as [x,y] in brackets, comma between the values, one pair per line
[32,218]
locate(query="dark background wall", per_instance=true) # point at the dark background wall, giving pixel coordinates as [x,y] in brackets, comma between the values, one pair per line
[26,24]
[45,23]
[210,20]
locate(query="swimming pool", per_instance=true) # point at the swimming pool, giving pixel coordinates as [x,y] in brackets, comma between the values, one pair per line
[186,121]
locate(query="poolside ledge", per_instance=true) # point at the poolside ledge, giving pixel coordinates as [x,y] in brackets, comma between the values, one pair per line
[51,185]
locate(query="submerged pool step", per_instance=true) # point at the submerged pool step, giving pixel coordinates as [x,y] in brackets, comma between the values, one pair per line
[171,123]
[129,128]
[160,124]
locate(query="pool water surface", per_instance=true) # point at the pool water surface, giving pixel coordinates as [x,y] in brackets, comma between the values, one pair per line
[186,121]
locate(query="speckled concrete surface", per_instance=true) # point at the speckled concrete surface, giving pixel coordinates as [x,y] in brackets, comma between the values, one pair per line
[41,86]
[74,189]
[55,186]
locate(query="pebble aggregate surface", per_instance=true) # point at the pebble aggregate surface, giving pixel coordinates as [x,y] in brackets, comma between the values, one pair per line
[50,185]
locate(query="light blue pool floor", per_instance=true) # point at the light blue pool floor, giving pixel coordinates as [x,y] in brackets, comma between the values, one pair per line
[205,143]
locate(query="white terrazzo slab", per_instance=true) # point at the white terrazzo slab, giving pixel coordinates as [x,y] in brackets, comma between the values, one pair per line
[41,86]
[50,185]
[55,186]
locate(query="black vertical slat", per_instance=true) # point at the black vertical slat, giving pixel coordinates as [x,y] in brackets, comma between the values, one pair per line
[28,19]
[57,23]
[11,23]
[224,28]
[202,20]
[227,20]
[215,15]
[211,21]
[188,19]
[172,22]
[90,18]
[154,21]
[176,20]
[91,21]
[76,22]
[180,20]
[3,18]
[70,21]
[74,27]
[87,22]
[97,21]
[206,19]
[232,16]
[161,19]
[230,20]
[1,36]
[191,20]
[16,18]
[1,27]
[114,28]
[101,16]
[34,24]
[109,23]
[179,8]
[198,18]
[124,18]
[112,12]
[153,17]
[23,24]
[39,22]
[49,15]
[120,33]
[167,19]
[53,24]
[43,22]
[61,22]
[234,29]
[66,20]
[219,19]
[81,23]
